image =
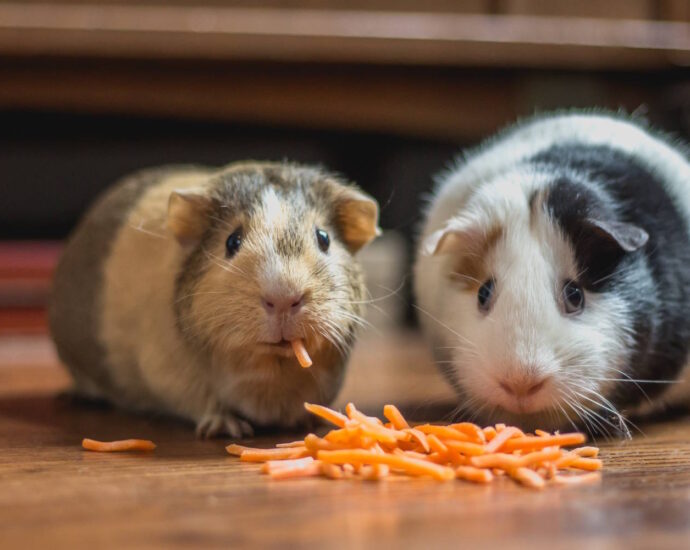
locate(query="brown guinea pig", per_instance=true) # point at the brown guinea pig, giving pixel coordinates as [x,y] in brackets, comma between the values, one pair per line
[183,287]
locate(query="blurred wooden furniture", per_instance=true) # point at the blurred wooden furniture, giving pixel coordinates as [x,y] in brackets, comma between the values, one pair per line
[375,66]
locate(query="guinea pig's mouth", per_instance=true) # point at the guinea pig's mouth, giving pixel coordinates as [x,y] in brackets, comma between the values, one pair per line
[282,347]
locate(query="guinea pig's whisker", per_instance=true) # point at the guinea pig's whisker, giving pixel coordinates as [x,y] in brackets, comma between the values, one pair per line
[607,406]
[225,265]
[141,229]
[462,338]
[623,270]
[638,380]
[390,294]
[644,393]
[184,297]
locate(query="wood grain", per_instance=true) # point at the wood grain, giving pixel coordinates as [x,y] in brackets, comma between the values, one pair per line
[189,493]
[343,35]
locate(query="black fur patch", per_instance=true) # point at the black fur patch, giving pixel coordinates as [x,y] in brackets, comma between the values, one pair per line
[603,183]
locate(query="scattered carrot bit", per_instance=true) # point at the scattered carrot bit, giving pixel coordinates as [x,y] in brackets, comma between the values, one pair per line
[477,475]
[118,446]
[301,352]
[591,477]
[330,415]
[392,413]
[363,446]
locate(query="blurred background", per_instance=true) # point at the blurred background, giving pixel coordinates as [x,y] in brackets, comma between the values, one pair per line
[385,92]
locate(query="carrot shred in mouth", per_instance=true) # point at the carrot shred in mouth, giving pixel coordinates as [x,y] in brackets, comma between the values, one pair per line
[118,446]
[364,447]
[301,353]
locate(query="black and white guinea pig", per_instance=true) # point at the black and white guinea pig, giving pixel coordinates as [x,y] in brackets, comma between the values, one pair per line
[553,273]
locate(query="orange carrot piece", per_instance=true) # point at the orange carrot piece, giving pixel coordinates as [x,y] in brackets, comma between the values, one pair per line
[539,457]
[586,464]
[263,455]
[237,450]
[465,447]
[332,416]
[532,443]
[409,465]
[396,418]
[504,461]
[118,446]
[286,469]
[444,432]
[541,433]
[590,477]
[528,477]
[289,444]
[501,438]
[476,475]
[586,452]
[374,427]
[331,471]
[301,353]
[420,437]
[436,444]
[474,432]
[489,433]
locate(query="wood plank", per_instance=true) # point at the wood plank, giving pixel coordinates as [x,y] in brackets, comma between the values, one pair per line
[356,36]
[189,493]
[426,102]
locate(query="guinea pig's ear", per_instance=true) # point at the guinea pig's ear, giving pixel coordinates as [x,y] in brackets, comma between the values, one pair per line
[457,236]
[358,218]
[188,212]
[624,236]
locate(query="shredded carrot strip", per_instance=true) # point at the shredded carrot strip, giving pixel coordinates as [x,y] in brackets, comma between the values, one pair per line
[443,432]
[489,432]
[539,457]
[411,465]
[588,452]
[363,446]
[470,473]
[327,414]
[437,445]
[118,446]
[301,353]
[262,455]
[591,477]
[290,444]
[420,437]
[396,418]
[587,464]
[470,449]
[474,432]
[496,460]
[534,443]
[528,477]
[503,436]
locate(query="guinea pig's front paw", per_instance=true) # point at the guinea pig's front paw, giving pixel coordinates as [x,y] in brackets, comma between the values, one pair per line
[223,423]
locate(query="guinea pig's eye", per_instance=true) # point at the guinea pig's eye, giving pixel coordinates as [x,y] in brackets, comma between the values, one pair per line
[573,298]
[323,239]
[233,244]
[485,293]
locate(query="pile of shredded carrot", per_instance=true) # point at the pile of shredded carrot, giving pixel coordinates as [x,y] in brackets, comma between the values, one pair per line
[364,447]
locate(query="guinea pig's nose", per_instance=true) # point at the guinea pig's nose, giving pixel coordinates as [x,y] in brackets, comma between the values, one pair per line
[523,387]
[279,304]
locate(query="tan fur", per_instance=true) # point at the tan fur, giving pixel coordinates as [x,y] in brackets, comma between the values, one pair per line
[182,327]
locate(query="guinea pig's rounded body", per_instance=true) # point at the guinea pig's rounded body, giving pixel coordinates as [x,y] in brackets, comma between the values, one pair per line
[553,273]
[182,287]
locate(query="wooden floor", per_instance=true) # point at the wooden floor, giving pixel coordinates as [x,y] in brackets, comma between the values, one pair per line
[189,493]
